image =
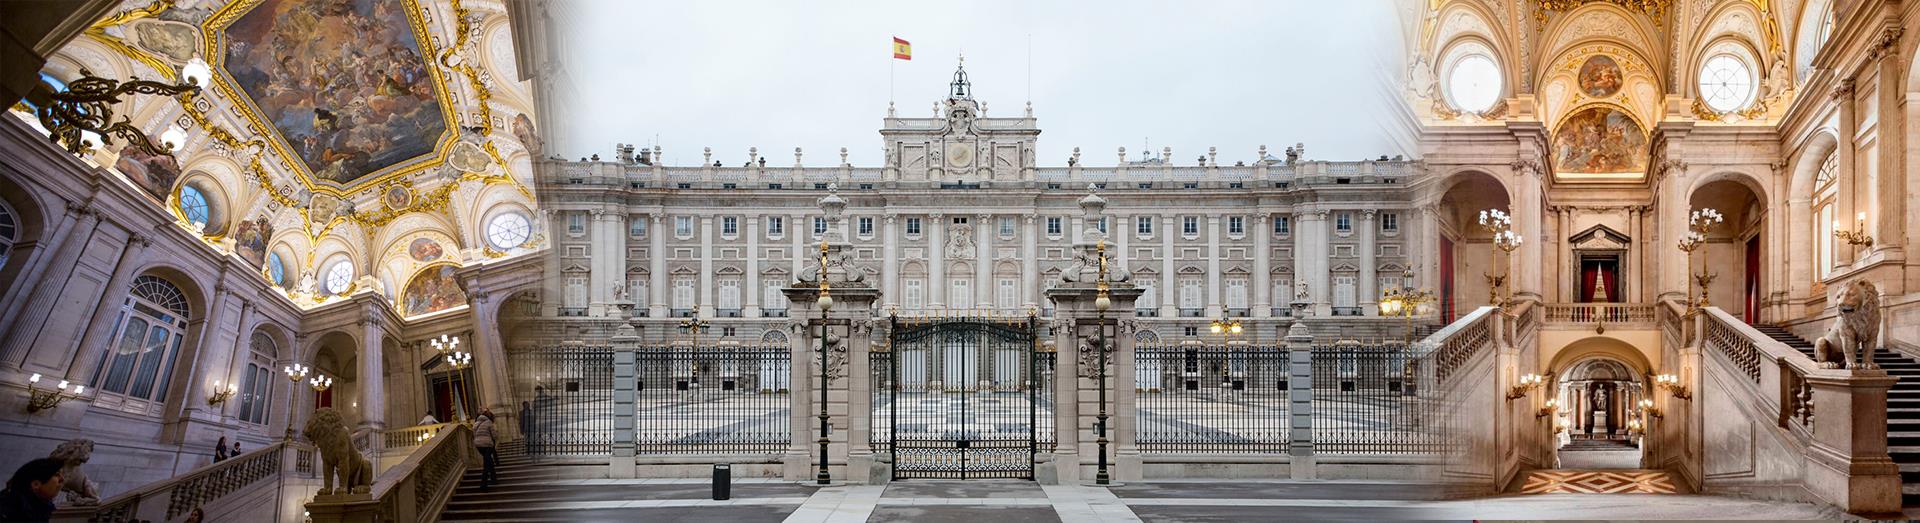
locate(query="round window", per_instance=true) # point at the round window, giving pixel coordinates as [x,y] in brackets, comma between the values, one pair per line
[338,276]
[1726,83]
[276,269]
[508,230]
[193,204]
[1473,84]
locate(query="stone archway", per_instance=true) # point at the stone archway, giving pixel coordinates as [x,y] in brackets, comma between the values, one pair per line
[1597,387]
[1465,249]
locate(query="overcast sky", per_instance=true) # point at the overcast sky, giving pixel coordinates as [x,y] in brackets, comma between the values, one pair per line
[782,74]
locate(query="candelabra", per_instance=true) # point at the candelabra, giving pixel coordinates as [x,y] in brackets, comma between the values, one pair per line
[1858,236]
[1646,405]
[80,116]
[295,373]
[825,302]
[1672,385]
[1405,301]
[1527,384]
[1698,223]
[39,399]
[449,348]
[1552,407]
[222,394]
[1501,225]
[459,361]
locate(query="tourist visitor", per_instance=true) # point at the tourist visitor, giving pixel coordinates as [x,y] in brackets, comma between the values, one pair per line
[526,421]
[29,494]
[220,450]
[198,515]
[428,420]
[236,450]
[483,439]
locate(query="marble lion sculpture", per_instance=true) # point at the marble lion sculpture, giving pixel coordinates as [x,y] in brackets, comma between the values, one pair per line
[337,455]
[1851,338]
[72,454]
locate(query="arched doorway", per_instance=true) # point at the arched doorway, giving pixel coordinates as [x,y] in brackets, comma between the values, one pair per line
[1736,286]
[1467,256]
[336,356]
[1600,419]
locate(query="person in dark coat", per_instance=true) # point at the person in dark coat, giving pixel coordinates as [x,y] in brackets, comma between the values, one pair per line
[29,494]
[526,421]
[220,450]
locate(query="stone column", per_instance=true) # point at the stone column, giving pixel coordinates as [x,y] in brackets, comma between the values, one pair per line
[1299,343]
[601,273]
[1314,235]
[1215,300]
[1029,262]
[56,246]
[797,231]
[1889,191]
[1845,202]
[1077,326]
[657,268]
[621,464]
[1369,288]
[53,275]
[1429,241]
[494,390]
[983,289]
[1847,462]
[372,372]
[1262,265]
[1169,306]
[751,286]
[193,376]
[1118,252]
[890,263]
[705,300]
[936,261]
[1523,266]
[849,329]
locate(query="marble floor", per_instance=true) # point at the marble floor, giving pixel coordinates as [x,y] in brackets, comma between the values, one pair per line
[1014,501]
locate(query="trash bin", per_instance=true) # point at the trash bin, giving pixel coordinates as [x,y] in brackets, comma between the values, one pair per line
[722,482]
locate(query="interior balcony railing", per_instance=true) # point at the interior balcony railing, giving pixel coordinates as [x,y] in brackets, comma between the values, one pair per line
[415,490]
[220,488]
[409,437]
[1625,313]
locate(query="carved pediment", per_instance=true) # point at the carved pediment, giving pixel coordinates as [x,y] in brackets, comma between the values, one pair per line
[1190,269]
[1599,238]
[1345,267]
[728,270]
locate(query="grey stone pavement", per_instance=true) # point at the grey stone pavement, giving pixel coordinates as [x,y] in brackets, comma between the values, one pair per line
[1015,501]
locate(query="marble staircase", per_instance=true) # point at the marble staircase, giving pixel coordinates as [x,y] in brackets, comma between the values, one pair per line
[1903,408]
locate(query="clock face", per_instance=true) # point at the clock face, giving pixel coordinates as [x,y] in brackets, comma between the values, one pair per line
[959,154]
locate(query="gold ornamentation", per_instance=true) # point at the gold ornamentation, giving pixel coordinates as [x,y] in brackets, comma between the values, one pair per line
[133,14]
[1655,9]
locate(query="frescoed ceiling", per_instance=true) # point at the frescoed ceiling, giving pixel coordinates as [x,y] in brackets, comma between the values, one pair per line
[367,140]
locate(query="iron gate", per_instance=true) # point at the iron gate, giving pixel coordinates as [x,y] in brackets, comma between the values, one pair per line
[965,398]
[569,391]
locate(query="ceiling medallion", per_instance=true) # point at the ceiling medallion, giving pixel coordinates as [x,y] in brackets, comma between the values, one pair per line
[1655,9]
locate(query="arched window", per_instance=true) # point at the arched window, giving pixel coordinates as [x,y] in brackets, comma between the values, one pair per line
[276,269]
[1824,190]
[9,232]
[193,206]
[146,339]
[257,380]
[508,230]
[1726,83]
[1473,81]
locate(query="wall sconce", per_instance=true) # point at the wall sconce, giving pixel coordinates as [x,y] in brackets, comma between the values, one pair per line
[41,399]
[1553,406]
[1856,237]
[1646,405]
[222,394]
[1559,426]
[1672,385]
[1527,384]
[1634,427]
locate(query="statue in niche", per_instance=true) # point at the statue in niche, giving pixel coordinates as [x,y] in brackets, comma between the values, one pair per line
[1300,292]
[960,242]
[1086,268]
[619,291]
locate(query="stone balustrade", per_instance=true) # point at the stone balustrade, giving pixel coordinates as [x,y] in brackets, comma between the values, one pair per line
[1600,313]
[415,490]
[173,498]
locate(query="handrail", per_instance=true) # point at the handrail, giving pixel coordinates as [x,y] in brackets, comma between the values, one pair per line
[415,490]
[1453,345]
[1748,350]
[1600,312]
[171,498]
[408,437]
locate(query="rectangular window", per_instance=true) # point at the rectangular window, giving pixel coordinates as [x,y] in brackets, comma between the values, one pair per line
[1389,222]
[576,223]
[776,226]
[1143,225]
[1149,298]
[637,227]
[916,294]
[960,293]
[729,295]
[1146,185]
[913,226]
[1343,222]
[775,186]
[1282,225]
[1007,294]
[1006,227]
[1190,297]
[1190,225]
[729,186]
[1102,224]
[1386,283]
[729,225]
[1236,294]
[1053,226]
[683,226]
[576,291]
[770,295]
[819,226]
[637,289]
[1236,225]
[683,293]
[866,226]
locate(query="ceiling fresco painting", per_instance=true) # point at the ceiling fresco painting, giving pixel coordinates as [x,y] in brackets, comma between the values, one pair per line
[345,82]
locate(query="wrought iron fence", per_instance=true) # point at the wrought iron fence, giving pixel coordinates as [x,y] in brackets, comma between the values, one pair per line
[1198,398]
[713,399]
[570,389]
[1366,401]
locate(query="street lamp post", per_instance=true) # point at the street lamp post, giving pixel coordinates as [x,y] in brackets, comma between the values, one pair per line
[825,302]
[1101,302]
[295,373]
[1405,301]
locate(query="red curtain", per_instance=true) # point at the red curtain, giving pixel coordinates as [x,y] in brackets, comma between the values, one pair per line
[323,399]
[1588,272]
[1753,281]
[1446,279]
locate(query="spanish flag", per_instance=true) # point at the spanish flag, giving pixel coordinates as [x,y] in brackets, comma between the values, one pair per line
[901,49]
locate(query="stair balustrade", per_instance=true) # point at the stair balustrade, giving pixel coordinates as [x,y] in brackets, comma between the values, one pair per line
[415,490]
[1600,313]
[172,498]
[412,436]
